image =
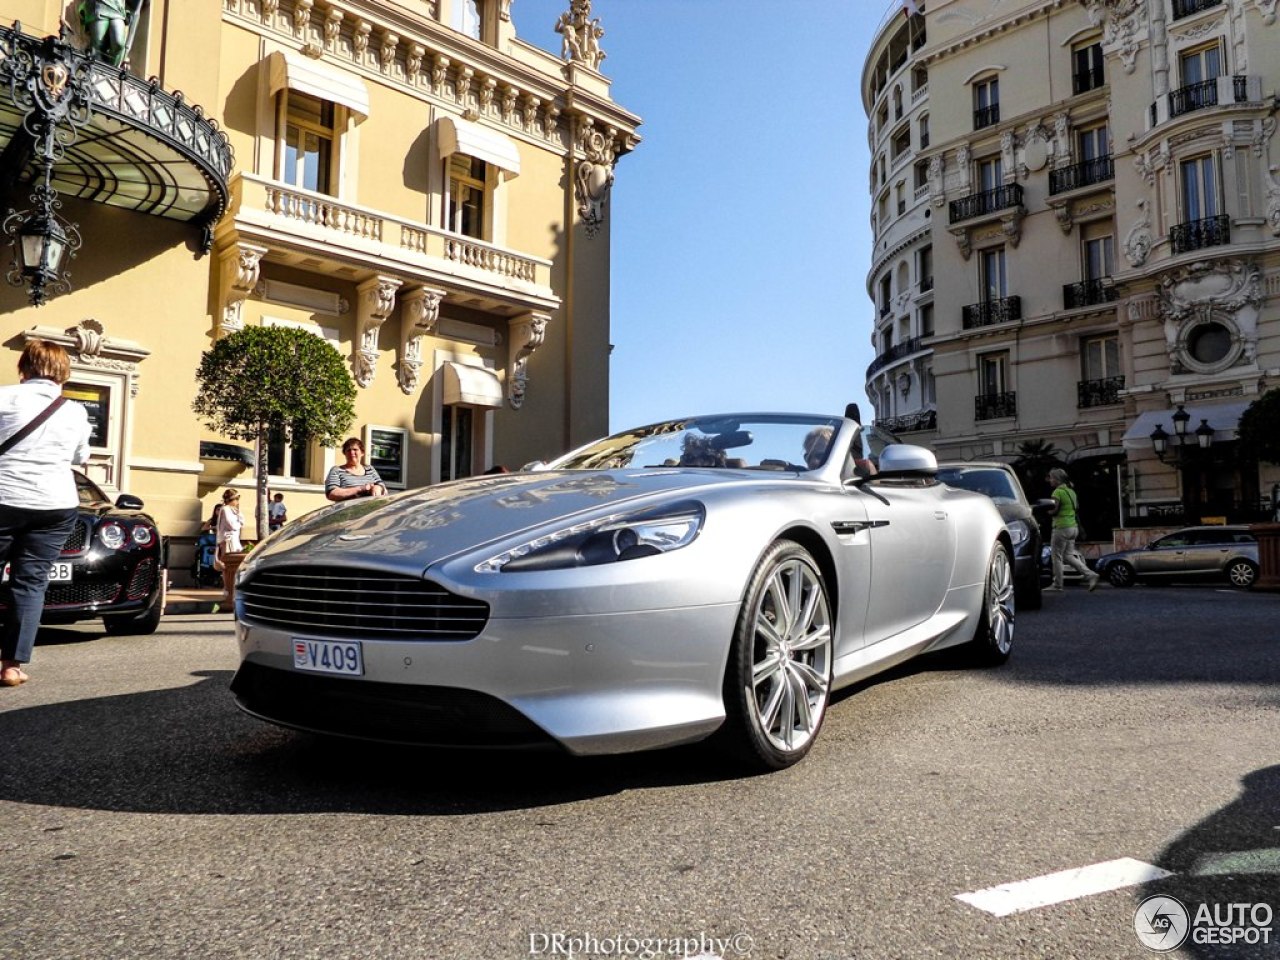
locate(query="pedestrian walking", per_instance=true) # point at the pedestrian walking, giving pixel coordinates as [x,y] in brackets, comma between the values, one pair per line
[230,523]
[43,435]
[1066,527]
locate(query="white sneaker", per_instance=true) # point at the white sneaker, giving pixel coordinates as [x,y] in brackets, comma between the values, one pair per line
[1093,582]
[1051,589]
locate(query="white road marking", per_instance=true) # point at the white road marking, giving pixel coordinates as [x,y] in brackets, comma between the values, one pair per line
[1024,895]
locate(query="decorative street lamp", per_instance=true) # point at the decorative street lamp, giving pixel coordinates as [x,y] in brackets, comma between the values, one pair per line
[49,84]
[1160,439]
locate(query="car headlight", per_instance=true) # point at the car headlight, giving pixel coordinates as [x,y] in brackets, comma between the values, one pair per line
[1019,531]
[604,540]
[143,535]
[112,535]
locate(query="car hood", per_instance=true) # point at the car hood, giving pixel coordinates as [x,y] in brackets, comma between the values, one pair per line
[413,530]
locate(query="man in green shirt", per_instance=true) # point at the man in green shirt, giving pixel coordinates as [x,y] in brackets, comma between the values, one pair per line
[1066,527]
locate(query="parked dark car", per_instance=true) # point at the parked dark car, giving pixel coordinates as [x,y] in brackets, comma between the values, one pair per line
[1001,484]
[1193,553]
[112,566]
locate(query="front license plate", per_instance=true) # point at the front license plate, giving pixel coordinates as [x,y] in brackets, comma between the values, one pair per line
[328,656]
[59,572]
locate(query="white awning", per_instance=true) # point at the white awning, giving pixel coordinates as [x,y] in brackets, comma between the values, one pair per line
[1223,417]
[292,71]
[463,136]
[466,385]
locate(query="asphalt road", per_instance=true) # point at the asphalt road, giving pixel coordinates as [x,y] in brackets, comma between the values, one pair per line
[145,817]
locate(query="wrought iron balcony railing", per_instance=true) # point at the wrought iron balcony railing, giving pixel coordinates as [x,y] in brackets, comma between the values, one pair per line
[986,116]
[1085,80]
[988,312]
[1083,174]
[924,420]
[1194,96]
[1098,393]
[926,284]
[993,406]
[1088,293]
[896,352]
[1185,8]
[989,201]
[1198,234]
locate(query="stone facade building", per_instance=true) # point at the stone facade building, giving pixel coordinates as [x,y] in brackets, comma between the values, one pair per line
[407,179]
[1104,221]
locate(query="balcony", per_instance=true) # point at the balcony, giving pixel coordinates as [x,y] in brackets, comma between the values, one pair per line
[924,420]
[1199,234]
[926,284]
[990,312]
[994,406]
[300,225]
[1243,88]
[1083,174]
[1088,293]
[1085,80]
[990,201]
[986,116]
[1098,393]
[896,352]
[1185,8]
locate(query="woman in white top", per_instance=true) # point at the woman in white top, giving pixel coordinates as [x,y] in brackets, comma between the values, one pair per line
[38,499]
[230,523]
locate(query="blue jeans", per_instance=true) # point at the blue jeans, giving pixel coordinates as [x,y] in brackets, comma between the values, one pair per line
[30,540]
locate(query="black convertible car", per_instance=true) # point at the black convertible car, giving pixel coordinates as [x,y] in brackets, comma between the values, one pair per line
[112,566]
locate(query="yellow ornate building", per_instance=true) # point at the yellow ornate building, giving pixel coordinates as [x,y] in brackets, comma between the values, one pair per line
[408,180]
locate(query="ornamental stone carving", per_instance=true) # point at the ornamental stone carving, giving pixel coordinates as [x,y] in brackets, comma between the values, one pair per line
[1122,24]
[936,194]
[1273,201]
[1268,8]
[439,70]
[413,63]
[594,175]
[239,275]
[1225,292]
[387,50]
[581,35]
[1137,243]
[302,17]
[360,40]
[377,298]
[527,333]
[88,345]
[332,28]
[419,317]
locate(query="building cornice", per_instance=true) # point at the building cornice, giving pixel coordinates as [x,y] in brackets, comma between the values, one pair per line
[931,54]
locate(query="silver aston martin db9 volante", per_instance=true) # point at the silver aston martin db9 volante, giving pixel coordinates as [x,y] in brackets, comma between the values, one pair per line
[708,576]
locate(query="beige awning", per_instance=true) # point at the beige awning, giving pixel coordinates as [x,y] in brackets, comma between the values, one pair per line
[462,136]
[292,71]
[1223,417]
[466,385]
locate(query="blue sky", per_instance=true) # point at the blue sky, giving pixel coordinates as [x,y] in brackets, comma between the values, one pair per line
[741,238]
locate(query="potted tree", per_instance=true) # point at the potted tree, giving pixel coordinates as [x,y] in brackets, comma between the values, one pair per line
[1260,440]
[260,378]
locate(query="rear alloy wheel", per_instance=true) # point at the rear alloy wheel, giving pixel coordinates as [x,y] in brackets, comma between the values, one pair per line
[993,639]
[778,678]
[1121,574]
[1242,573]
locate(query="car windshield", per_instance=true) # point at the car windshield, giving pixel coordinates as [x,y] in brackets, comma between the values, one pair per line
[996,484]
[88,491]
[753,442]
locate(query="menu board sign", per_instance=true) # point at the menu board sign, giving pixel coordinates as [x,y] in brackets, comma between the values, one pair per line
[96,401]
[386,454]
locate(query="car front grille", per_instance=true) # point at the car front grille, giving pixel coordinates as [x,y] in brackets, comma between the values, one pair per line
[77,594]
[78,538]
[391,712]
[143,579]
[349,602]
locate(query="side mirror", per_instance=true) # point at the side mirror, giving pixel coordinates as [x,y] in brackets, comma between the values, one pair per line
[906,458]
[127,501]
[1043,505]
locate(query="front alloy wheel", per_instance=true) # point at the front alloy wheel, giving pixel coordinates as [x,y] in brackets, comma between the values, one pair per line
[993,638]
[779,675]
[1242,573]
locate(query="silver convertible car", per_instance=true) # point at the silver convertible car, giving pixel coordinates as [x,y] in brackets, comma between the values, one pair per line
[706,576]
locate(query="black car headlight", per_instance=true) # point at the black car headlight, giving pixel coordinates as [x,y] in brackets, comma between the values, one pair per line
[113,535]
[604,540]
[1019,531]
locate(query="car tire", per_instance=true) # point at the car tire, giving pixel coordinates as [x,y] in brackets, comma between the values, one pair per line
[141,625]
[1121,574]
[1241,573]
[778,677]
[1027,593]
[993,639]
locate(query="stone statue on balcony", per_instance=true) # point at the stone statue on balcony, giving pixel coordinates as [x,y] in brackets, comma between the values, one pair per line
[581,35]
[110,26]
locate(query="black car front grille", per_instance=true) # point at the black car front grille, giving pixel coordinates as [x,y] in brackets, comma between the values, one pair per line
[77,594]
[349,602]
[143,579]
[393,712]
[78,538]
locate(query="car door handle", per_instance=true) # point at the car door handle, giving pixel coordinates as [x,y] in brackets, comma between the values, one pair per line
[939,514]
